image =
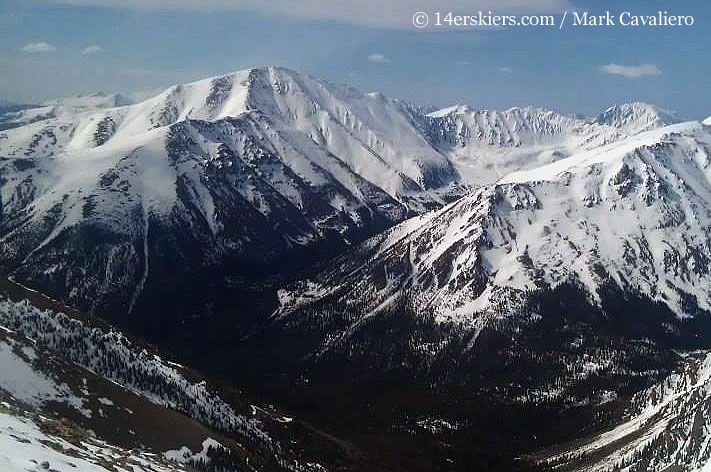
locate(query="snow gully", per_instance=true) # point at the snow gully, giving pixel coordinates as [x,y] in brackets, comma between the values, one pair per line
[662,18]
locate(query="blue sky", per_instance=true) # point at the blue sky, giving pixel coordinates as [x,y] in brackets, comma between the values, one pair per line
[62,48]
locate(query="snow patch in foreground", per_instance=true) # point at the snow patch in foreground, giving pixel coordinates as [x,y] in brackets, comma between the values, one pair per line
[29,385]
[25,448]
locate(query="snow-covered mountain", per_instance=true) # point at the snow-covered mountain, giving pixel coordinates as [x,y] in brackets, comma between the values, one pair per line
[636,117]
[371,134]
[247,172]
[107,201]
[485,145]
[635,212]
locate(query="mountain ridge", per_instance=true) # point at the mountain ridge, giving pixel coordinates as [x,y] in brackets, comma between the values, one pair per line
[482,240]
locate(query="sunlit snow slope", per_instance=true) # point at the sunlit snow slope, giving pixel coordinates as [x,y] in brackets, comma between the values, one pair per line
[636,213]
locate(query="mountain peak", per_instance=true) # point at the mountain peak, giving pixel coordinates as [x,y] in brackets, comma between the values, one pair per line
[458,109]
[635,117]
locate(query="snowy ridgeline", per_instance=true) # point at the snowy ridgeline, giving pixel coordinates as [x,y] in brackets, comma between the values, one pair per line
[259,165]
[111,355]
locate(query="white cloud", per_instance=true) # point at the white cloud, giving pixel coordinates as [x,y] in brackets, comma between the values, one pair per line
[91,50]
[38,47]
[630,72]
[506,70]
[373,13]
[379,58]
[463,63]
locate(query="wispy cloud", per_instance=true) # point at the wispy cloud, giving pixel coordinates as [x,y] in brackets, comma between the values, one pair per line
[89,50]
[630,72]
[374,13]
[506,70]
[38,47]
[379,58]
[463,63]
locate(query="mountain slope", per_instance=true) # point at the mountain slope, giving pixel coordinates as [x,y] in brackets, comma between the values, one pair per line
[635,211]
[666,428]
[73,389]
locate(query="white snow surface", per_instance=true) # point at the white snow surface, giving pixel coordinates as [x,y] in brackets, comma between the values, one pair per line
[29,385]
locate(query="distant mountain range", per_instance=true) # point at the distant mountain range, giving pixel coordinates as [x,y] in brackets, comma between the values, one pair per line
[251,172]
